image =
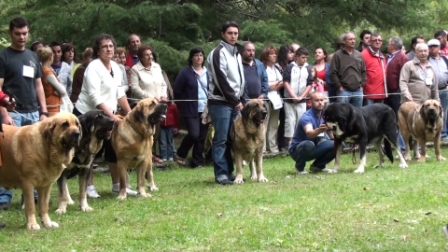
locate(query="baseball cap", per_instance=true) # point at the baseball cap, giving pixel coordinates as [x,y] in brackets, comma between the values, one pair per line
[433,42]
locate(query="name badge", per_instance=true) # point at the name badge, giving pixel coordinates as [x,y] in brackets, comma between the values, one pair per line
[322,134]
[428,81]
[28,71]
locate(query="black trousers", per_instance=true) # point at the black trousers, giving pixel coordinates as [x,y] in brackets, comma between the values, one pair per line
[393,100]
[197,132]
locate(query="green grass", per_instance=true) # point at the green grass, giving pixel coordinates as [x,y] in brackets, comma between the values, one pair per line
[387,209]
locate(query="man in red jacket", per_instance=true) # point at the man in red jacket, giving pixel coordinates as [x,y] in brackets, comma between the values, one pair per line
[375,88]
[395,62]
[134,43]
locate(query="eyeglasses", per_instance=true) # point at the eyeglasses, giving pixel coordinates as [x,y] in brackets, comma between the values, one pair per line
[198,55]
[376,40]
[107,46]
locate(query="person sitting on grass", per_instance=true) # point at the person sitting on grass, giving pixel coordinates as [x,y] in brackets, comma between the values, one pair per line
[309,141]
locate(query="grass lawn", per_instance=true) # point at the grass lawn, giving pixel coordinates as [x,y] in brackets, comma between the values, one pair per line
[387,209]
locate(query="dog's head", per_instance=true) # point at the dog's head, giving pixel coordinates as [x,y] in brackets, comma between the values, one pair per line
[431,110]
[255,112]
[96,123]
[62,130]
[336,116]
[149,112]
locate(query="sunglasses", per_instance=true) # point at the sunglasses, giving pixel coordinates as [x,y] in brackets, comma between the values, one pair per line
[376,40]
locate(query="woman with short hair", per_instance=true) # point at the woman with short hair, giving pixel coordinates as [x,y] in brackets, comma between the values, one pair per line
[191,86]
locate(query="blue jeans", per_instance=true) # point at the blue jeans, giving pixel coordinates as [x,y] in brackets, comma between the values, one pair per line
[222,119]
[352,97]
[20,120]
[443,94]
[322,154]
[371,101]
[166,142]
[23,119]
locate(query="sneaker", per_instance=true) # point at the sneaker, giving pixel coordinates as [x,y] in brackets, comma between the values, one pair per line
[4,205]
[317,169]
[224,182]
[445,230]
[157,160]
[170,159]
[116,190]
[304,172]
[91,192]
[244,163]
[164,160]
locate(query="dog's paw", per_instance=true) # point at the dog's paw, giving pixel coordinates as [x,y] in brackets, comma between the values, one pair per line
[60,211]
[403,165]
[238,179]
[153,188]
[407,158]
[253,177]
[421,159]
[121,197]
[33,226]
[262,179]
[380,165]
[70,202]
[359,170]
[145,195]
[50,224]
[440,158]
[86,209]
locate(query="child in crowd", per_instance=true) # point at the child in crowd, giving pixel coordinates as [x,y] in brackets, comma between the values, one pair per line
[168,129]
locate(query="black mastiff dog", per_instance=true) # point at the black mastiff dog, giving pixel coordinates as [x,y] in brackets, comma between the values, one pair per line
[369,124]
[96,127]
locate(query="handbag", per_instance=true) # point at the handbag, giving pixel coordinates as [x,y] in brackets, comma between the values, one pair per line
[66,105]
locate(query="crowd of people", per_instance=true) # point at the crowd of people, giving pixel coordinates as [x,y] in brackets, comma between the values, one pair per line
[48,78]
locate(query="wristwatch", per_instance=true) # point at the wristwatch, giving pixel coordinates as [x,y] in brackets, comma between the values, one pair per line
[44,113]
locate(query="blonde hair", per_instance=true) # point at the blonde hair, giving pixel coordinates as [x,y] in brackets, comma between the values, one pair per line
[44,54]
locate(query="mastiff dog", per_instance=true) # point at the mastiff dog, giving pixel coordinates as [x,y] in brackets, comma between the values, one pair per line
[247,136]
[420,124]
[34,156]
[96,127]
[369,124]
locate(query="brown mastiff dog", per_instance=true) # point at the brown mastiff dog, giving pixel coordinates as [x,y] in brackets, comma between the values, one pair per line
[132,141]
[419,124]
[247,136]
[34,157]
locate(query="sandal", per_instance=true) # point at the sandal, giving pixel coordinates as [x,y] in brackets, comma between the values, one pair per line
[181,161]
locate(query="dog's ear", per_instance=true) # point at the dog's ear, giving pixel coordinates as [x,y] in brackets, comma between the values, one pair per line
[48,131]
[422,111]
[139,116]
[440,110]
[245,112]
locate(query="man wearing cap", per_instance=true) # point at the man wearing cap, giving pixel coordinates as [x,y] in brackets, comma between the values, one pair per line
[440,65]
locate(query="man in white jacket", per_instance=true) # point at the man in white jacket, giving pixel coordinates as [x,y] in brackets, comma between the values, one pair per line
[225,98]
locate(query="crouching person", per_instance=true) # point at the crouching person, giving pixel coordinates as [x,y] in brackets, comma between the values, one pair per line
[310,141]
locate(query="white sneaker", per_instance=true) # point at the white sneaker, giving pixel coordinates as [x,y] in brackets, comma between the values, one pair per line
[244,163]
[445,230]
[91,192]
[170,159]
[304,172]
[116,189]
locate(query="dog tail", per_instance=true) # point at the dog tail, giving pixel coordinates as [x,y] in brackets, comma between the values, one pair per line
[388,150]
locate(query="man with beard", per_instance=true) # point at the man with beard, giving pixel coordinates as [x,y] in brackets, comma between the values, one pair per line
[254,73]
[309,141]
[441,37]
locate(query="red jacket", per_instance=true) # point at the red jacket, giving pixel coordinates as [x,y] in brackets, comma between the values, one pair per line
[376,71]
[172,116]
[129,60]
[393,71]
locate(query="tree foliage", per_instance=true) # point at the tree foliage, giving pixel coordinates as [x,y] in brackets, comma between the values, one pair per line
[172,27]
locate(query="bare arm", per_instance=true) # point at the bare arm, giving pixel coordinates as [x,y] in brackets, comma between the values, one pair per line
[4,112]
[313,133]
[56,84]
[41,98]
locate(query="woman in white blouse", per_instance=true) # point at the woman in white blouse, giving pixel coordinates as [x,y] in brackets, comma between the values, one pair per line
[146,77]
[275,81]
[101,90]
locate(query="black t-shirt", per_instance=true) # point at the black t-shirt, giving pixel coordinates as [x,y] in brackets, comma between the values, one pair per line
[253,84]
[20,69]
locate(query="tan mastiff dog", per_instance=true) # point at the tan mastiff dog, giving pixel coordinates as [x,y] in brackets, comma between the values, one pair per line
[247,135]
[132,141]
[34,157]
[420,124]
